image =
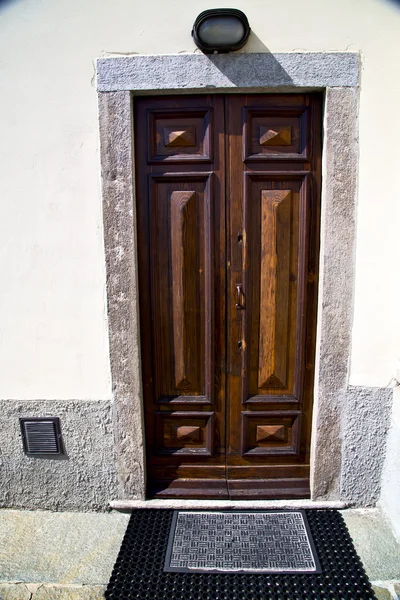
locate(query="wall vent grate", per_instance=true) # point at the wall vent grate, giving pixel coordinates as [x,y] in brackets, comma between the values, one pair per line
[41,436]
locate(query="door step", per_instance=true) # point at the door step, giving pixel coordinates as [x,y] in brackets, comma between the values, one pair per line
[248,504]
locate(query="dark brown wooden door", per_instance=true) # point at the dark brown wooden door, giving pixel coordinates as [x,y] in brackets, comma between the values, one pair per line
[228,227]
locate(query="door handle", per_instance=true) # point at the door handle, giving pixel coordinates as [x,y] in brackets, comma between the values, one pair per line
[239,291]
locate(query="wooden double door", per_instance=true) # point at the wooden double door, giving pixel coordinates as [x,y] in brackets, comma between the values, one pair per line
[228,196]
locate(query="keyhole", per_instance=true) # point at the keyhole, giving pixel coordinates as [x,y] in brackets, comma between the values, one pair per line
[240,238]
[239,344]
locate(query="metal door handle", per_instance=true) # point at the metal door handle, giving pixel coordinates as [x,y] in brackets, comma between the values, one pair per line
[238,304]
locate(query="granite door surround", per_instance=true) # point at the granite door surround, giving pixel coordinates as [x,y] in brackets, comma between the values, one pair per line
[337,407]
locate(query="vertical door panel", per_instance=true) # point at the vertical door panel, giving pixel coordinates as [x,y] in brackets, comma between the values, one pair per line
[273,189]
[181,264]
[181,233]
[274,274]
[274,279]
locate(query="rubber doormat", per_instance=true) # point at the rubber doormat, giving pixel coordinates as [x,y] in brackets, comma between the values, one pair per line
[139,570]
[241,542]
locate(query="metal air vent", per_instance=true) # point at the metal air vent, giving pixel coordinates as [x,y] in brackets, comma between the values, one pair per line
[41,436]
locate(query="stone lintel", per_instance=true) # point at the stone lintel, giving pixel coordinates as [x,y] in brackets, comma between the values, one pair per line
[187,72]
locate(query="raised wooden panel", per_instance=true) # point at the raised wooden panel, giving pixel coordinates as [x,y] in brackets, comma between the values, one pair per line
[187,433]
[180,136]
[184,288]
[274,288]
[280,135]
[275,134]
[267,433]
[271,433]
[275,214]
[181,274]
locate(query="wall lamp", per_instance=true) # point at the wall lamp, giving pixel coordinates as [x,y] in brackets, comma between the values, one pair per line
[221,30]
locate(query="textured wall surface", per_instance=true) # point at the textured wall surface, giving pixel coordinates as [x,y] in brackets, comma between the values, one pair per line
[115,115]
[364,436]
[194,71]
[84,479]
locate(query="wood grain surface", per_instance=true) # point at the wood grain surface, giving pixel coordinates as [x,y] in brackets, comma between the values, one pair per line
[228,205]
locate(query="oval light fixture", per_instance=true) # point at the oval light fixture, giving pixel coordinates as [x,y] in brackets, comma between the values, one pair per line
[221,30]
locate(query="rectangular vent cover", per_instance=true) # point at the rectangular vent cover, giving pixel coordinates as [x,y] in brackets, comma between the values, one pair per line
[41,436]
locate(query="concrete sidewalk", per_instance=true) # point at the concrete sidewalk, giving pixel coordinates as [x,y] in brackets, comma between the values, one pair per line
[70,556]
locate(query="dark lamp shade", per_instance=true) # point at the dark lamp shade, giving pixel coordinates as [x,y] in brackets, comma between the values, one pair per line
[221,30]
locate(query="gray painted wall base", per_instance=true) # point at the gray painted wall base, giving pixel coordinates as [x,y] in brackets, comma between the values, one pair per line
[364,442]
[84,479]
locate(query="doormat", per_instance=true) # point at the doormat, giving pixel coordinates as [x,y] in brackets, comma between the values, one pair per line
[139,570]
[241,542]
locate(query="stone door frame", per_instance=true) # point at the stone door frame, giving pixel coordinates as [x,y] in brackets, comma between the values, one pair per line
[337,74]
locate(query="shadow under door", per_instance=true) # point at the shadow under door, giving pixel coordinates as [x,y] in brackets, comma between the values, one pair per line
[228,196]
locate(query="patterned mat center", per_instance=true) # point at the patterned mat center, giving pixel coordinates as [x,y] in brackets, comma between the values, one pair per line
[243,542]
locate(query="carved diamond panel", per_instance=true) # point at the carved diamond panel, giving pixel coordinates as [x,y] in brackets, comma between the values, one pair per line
[185,432]
[279,136]
[272,432]
[180,136]
[273,135]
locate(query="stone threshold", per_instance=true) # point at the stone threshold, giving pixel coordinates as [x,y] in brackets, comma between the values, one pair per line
[227,504]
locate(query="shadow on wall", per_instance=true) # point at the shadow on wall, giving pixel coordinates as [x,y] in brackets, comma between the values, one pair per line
[241,73]
[254,44]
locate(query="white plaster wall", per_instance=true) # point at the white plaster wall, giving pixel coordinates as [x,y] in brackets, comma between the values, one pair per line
[53,330]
